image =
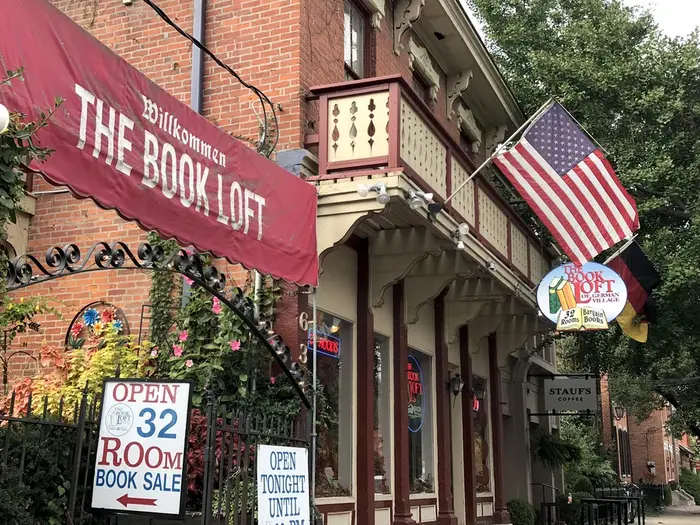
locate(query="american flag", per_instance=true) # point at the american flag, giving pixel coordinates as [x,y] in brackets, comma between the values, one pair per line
[570,185]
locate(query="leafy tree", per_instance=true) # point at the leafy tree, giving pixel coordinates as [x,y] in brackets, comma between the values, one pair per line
[638,93]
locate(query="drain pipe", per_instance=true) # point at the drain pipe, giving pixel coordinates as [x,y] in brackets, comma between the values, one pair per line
[196,86]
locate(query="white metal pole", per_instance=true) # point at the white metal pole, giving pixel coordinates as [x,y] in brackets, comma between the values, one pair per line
[313,394]
[624,247]
[499,148]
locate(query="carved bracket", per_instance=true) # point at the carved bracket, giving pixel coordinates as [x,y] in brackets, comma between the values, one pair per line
[465,300]
[395,253]
[467,123]
[431,276]
[406,12]
[419,59]
[456,85]
[376,8]
[494,137]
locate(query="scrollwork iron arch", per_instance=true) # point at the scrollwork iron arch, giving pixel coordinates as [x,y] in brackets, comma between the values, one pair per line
[62,261]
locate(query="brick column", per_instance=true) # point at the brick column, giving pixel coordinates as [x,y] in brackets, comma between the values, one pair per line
[468,426]
[365,389]
[402,503]
[500,512]
[446,513]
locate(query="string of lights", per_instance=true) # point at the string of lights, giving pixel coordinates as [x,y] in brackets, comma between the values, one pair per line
[261,96]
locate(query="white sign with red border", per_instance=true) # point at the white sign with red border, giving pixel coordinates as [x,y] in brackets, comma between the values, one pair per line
[140,462]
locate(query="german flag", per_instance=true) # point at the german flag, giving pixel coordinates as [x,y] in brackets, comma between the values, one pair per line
[641,278]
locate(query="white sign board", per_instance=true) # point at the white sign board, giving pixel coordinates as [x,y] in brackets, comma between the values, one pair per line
[581,298]
[283,486]
[140,464]
[574,394]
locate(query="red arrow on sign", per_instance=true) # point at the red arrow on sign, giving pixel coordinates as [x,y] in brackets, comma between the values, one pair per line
[126,501]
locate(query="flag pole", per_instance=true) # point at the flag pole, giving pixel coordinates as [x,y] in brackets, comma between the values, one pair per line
[435,208]
[624,247]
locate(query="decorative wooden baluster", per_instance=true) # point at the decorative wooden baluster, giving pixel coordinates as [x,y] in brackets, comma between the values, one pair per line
[353,128]
[370,129]
[336,134]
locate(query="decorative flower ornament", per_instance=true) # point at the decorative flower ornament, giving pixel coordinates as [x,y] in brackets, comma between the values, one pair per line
[77,328]
[90,316]
[108,315]
[117,325]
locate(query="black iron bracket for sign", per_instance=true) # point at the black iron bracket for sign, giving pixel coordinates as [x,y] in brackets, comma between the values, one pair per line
[67,260]
[554,376]
[555,413]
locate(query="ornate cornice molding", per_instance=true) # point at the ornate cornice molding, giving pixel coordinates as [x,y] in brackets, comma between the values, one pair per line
[467,123]
[376,8]
[419,59]
[456,85]
[406,12]
[494,136]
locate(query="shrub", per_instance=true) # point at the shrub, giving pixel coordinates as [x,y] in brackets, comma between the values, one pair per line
[584,485]
[668,496]
[570,513]
[521,512]
[690,483]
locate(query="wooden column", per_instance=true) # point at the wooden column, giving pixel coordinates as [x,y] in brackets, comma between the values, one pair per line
[500,512]
[402,503]
[365,388]
[468,426]
[446,512]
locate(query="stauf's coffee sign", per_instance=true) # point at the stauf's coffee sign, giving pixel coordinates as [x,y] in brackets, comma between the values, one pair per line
[563,394]
[416,396]
[125,143]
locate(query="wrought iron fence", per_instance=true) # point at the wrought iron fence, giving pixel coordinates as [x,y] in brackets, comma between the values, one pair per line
[47,459]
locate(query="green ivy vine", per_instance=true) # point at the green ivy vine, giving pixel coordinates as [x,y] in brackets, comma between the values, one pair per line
[163,295]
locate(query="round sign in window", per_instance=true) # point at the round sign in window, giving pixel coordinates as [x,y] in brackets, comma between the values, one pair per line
[416,395]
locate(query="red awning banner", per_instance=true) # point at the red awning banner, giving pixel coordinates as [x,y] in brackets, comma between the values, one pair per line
[128,145]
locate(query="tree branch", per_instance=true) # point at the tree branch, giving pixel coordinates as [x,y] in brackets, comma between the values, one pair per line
[694,428]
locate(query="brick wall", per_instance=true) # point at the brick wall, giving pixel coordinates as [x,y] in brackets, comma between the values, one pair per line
[647,444]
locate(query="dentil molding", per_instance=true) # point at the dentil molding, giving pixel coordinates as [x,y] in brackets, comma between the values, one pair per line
[406,12]
[419,59]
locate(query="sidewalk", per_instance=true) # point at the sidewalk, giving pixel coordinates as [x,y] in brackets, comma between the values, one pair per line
[677,516]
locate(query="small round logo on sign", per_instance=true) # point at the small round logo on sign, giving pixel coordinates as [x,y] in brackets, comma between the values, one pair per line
[119,420]
[584,297]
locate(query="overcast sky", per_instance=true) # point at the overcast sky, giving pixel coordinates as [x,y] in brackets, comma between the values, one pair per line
[675,17]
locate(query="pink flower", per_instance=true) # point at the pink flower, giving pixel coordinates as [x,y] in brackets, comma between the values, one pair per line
[177,350]
[154,352]
[189,281]
[235,345]
[189,363]
[216,306]
[273,380]
[183,336]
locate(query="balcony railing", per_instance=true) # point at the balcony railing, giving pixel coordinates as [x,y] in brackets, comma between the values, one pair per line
[379,124]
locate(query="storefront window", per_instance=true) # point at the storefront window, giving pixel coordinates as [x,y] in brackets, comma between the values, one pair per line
[382,415]
[420,423]
[481,443]
[335,349]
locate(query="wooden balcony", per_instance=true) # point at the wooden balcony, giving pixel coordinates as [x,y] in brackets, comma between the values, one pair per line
[379,126]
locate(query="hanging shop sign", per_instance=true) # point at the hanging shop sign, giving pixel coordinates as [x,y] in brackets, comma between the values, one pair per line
[128,145]
[564,394]
[283,485]
[584,297]
[140,461]
[326,344]
[416,396]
